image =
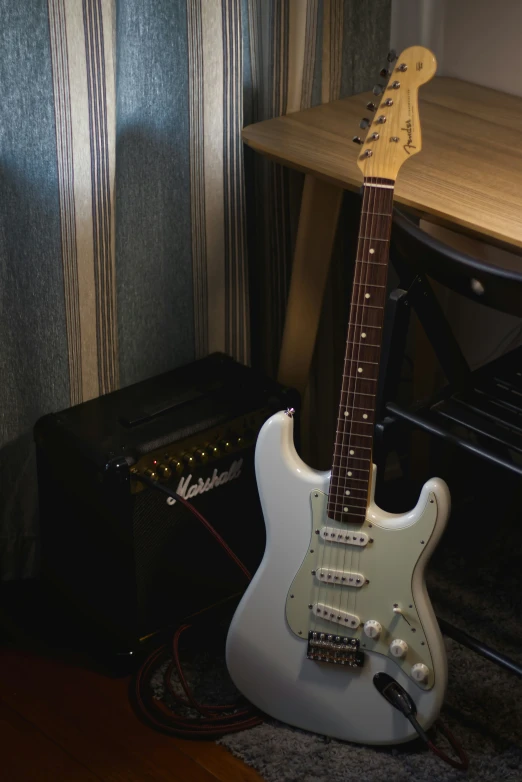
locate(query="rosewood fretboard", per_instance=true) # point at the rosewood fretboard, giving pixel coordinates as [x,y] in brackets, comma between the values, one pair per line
[352,458]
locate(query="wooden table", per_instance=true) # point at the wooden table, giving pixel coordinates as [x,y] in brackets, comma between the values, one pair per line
[468,176]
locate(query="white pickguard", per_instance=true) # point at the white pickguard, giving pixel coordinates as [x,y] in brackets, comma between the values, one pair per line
[267,656]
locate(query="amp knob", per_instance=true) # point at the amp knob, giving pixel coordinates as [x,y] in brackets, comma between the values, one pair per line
[164,471]
[373,629]
[420,672]
[176,465]
[201,455]
[398,647]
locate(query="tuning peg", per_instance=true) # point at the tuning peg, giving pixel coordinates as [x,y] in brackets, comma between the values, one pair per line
[357,140]
[384,72]
[364,123]
[377,90]
[371,106]
[392,55]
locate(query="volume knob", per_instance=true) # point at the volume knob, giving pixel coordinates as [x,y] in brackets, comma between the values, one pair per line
[398,647]
[420,672]
[373,629]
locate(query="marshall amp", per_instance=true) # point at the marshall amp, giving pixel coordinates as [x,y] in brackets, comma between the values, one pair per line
[127,560]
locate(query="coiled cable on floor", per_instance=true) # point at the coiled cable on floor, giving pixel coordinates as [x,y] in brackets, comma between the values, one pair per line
[212,720]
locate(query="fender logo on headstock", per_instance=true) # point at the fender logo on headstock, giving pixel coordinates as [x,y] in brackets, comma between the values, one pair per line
[418,66]
[409,132]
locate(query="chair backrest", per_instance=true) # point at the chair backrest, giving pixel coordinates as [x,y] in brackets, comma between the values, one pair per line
[496,285]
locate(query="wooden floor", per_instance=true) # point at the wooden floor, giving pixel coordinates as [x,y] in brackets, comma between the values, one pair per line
[63,723]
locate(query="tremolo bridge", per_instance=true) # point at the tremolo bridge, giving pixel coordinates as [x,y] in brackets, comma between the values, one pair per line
[326,648]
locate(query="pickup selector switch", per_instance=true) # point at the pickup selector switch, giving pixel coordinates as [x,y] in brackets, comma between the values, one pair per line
[398,648]
[373,629]
[420,672]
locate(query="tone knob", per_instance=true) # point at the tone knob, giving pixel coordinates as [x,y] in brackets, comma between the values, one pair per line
[398,647]
[420,672]
[373,629]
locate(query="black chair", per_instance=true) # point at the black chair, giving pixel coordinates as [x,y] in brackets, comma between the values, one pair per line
[478,411]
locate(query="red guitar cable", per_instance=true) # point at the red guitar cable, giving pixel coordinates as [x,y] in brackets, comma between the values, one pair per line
[215,720]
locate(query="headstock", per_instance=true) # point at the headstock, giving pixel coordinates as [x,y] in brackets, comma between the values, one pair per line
[394,133]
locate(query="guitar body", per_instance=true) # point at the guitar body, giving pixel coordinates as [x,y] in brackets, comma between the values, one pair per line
[267,643]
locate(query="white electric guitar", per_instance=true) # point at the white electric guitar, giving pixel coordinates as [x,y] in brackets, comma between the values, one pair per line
[340,594]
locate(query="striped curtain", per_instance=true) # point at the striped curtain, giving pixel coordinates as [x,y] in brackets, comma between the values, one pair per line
[135,234]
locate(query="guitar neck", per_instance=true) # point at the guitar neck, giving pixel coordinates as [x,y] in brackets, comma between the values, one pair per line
[352,457]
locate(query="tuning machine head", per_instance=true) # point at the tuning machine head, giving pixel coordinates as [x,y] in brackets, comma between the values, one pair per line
[377,89]
[364,123]
[357,140]
[392,55]
[384,72]
[371,106]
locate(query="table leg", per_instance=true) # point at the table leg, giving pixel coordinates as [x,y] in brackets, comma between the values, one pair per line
[318,218]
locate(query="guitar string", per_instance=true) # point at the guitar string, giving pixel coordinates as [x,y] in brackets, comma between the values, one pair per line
[384,202]
[365,269]
[378,204]
[351,389]
[376,207]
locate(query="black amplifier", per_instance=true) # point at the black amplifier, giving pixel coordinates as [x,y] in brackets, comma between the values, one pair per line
[127,560]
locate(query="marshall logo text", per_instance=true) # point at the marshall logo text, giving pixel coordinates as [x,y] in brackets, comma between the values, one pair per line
[187,491]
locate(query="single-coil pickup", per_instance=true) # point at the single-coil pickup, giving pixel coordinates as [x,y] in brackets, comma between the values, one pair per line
[331,614]
[340,577]
[348,537]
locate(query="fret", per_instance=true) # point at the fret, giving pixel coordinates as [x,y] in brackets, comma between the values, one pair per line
[361,491]
[370,284]
[360,361]
[359,423]
[353,434]
[373,239]
[374,184]
[373,263]
[352,455]
[362,379]
[363,326]
[352,458]
[377,214]
[350,508]
[355,488]
[359,480]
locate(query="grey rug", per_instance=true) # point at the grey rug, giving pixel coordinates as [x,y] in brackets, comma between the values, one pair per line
[475,582]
